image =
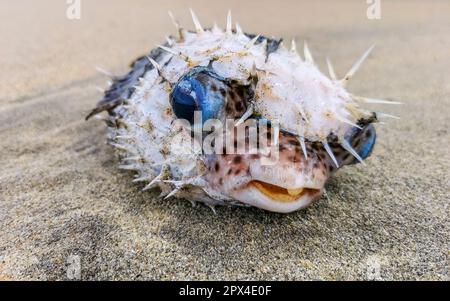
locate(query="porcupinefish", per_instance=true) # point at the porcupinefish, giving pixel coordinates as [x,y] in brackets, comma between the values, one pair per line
[275,126]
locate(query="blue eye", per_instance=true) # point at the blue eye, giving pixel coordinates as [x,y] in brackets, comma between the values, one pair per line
[362,141]
[199,90]
[368,139]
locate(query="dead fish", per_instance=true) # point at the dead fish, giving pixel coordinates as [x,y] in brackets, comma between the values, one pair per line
[159,120]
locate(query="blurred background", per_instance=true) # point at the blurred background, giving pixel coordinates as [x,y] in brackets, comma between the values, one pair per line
[64,206]
[43,49]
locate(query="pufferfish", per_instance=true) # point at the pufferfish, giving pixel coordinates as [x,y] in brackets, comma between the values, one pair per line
[232,75]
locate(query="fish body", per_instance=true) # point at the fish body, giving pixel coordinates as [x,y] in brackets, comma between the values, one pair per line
[186,118]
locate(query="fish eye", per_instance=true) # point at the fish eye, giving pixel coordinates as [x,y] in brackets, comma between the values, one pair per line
[362,140]
[201,89]
[367,141]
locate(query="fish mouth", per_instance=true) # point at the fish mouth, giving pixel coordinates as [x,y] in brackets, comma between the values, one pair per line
[281,194]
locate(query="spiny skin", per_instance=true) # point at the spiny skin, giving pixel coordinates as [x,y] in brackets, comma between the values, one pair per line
[322,126]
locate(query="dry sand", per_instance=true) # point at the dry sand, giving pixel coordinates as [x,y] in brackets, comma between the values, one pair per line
[61,194]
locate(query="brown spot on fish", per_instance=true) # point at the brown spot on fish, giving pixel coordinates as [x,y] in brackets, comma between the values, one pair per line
[239,106]
[237,160]
[223,92]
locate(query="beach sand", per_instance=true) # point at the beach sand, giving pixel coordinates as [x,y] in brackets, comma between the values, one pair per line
[62,198]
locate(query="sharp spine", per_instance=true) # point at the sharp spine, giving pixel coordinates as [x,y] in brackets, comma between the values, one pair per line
[246,115]
[102,118]
[152,183]
[141,179]
[174,20]
[350,149]
[213,209]
[169,50]
[177,26]
[104,72]
[293,46]
[239,29]
[294,49]
[376,101]
[229,30]
[331,70]
[173,193]
[330,152]
[198,26]
[159,69]
[135,158]
[307,54]
[252,42]
[303,145]
[356,65]
[155,64]
[347,121]
[122,147]
[164,173]
[354,111]
[385,115]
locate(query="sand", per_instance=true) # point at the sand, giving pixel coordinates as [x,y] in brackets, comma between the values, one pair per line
[62,199]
